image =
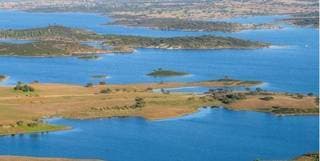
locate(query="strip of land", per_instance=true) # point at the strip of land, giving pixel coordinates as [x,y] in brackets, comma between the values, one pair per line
[59,40]
[181,9]
[20,158]
[188,25]
[23,108]
[308,157]
[304,20]
[129,43]
[177,14]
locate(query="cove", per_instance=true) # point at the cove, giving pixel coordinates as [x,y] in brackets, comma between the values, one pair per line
[210,134]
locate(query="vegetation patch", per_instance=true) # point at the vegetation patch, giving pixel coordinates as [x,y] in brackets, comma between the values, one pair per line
[187,42]
[190,25]
[89,57]
[50,33]
[59,40]
[304,19]
[23,87]
[166,73]
[47,48]
[2,77]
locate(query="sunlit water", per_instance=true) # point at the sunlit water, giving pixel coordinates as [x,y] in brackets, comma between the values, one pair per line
[217,134]
[291,64]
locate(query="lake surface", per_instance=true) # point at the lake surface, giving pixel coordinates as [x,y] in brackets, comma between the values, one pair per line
[290,65]
[218,134]
[211,134]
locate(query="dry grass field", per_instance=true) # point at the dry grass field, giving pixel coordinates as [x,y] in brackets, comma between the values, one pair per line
[23,112]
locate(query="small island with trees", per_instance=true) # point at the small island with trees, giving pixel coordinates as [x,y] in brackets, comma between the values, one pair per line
[166,73]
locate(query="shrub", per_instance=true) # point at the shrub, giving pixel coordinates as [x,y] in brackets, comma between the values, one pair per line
[106,91]
[139,102]
[32,124]
[299,96]
[317,100]
[268,98]
[259,90]
[20,123]
[23,87]
[89,85]
[102,83]
[310,94]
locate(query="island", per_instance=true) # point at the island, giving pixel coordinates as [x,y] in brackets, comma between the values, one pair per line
[188,25]
[25,111]
[166,73]
[129,43]
[59,40]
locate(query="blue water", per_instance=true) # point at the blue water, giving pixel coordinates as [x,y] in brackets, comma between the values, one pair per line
[217,134]
[290,65]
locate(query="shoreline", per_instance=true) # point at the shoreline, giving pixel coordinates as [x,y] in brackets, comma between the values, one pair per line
[31,158]
[122,101]
[67,128]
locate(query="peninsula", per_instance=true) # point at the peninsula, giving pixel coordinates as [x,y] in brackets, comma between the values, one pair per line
[48,48]
[60,40]
[24,111]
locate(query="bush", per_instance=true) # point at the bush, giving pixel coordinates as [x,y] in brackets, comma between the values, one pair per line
[89,85]
[267,98]
[32,124]
[102,83]
[23,87]
[20,123]
[299,96]
[106,91]
[259,90]
[139,102]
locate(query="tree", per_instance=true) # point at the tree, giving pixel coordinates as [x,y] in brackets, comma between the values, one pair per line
[89,85]
[259,89]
